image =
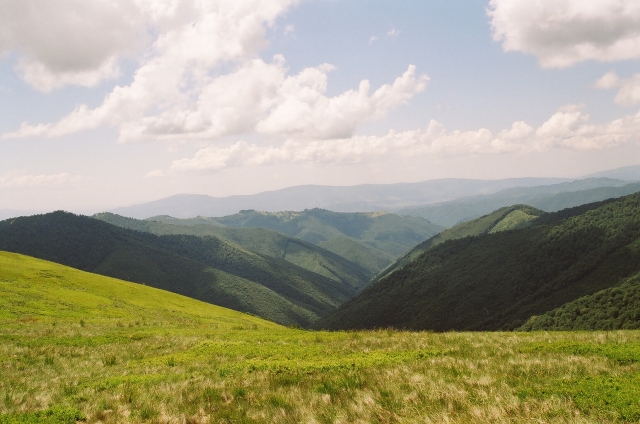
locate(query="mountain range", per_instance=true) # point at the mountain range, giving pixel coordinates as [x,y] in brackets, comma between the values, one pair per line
[500,279]
[558,255]
[507,218]
[549,198]
[258,270]
[258,240]
[372,240]
[205,268]
[360,198]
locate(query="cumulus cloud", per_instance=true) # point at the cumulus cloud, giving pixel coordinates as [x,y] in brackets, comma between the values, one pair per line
[300,107]
[257,97]
[561,33]
[628,88]
[17,181]
[69,41]
[178,92]
[568,128]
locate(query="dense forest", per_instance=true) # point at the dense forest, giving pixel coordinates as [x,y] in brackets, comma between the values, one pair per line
[507,218]
[262,241]
[609,309]
[372,240]
[499,280]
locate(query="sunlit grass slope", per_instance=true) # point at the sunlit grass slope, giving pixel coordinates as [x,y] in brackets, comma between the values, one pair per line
[34,289]
[77,346]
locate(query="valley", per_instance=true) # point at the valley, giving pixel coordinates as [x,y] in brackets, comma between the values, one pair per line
[497,280]
[324,316]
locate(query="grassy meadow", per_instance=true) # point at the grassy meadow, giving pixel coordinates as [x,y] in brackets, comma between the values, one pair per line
[78,346]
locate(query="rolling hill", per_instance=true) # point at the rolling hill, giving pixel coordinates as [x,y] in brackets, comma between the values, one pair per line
[371,240]
[549,198]
[258,240]
[498,281]
[204,268]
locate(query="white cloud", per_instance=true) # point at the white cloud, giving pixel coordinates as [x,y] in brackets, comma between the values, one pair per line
[300,107]
[155,173]
[257,96]
[69,41]
[179,94]
[561,33]
[372,39]
[607,81]
[18,181]
[289,29]
[42,78]
[393,32]
[629,88]
[568,128]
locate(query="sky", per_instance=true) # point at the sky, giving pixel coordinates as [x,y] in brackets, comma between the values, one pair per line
[107,103]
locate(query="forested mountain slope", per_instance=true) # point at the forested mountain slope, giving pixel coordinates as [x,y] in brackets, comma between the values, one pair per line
[262,241]
[503,219]
[204,268]
[372,240]
[498,281]
[609,309]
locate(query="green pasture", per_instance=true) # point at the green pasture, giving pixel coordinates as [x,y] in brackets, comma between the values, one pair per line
[76,346]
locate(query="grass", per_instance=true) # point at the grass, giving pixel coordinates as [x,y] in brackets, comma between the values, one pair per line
[163,358]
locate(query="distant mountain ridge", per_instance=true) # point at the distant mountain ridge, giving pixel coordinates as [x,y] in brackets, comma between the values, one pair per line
[549,198]
[629,173]
[359,198]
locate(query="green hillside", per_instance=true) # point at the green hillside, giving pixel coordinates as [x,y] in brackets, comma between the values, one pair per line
[497,281]
[551,198]
[364,238]
[80,347]
[204,268]
[503,219]
[38,290]
[609,309]
[258,240]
